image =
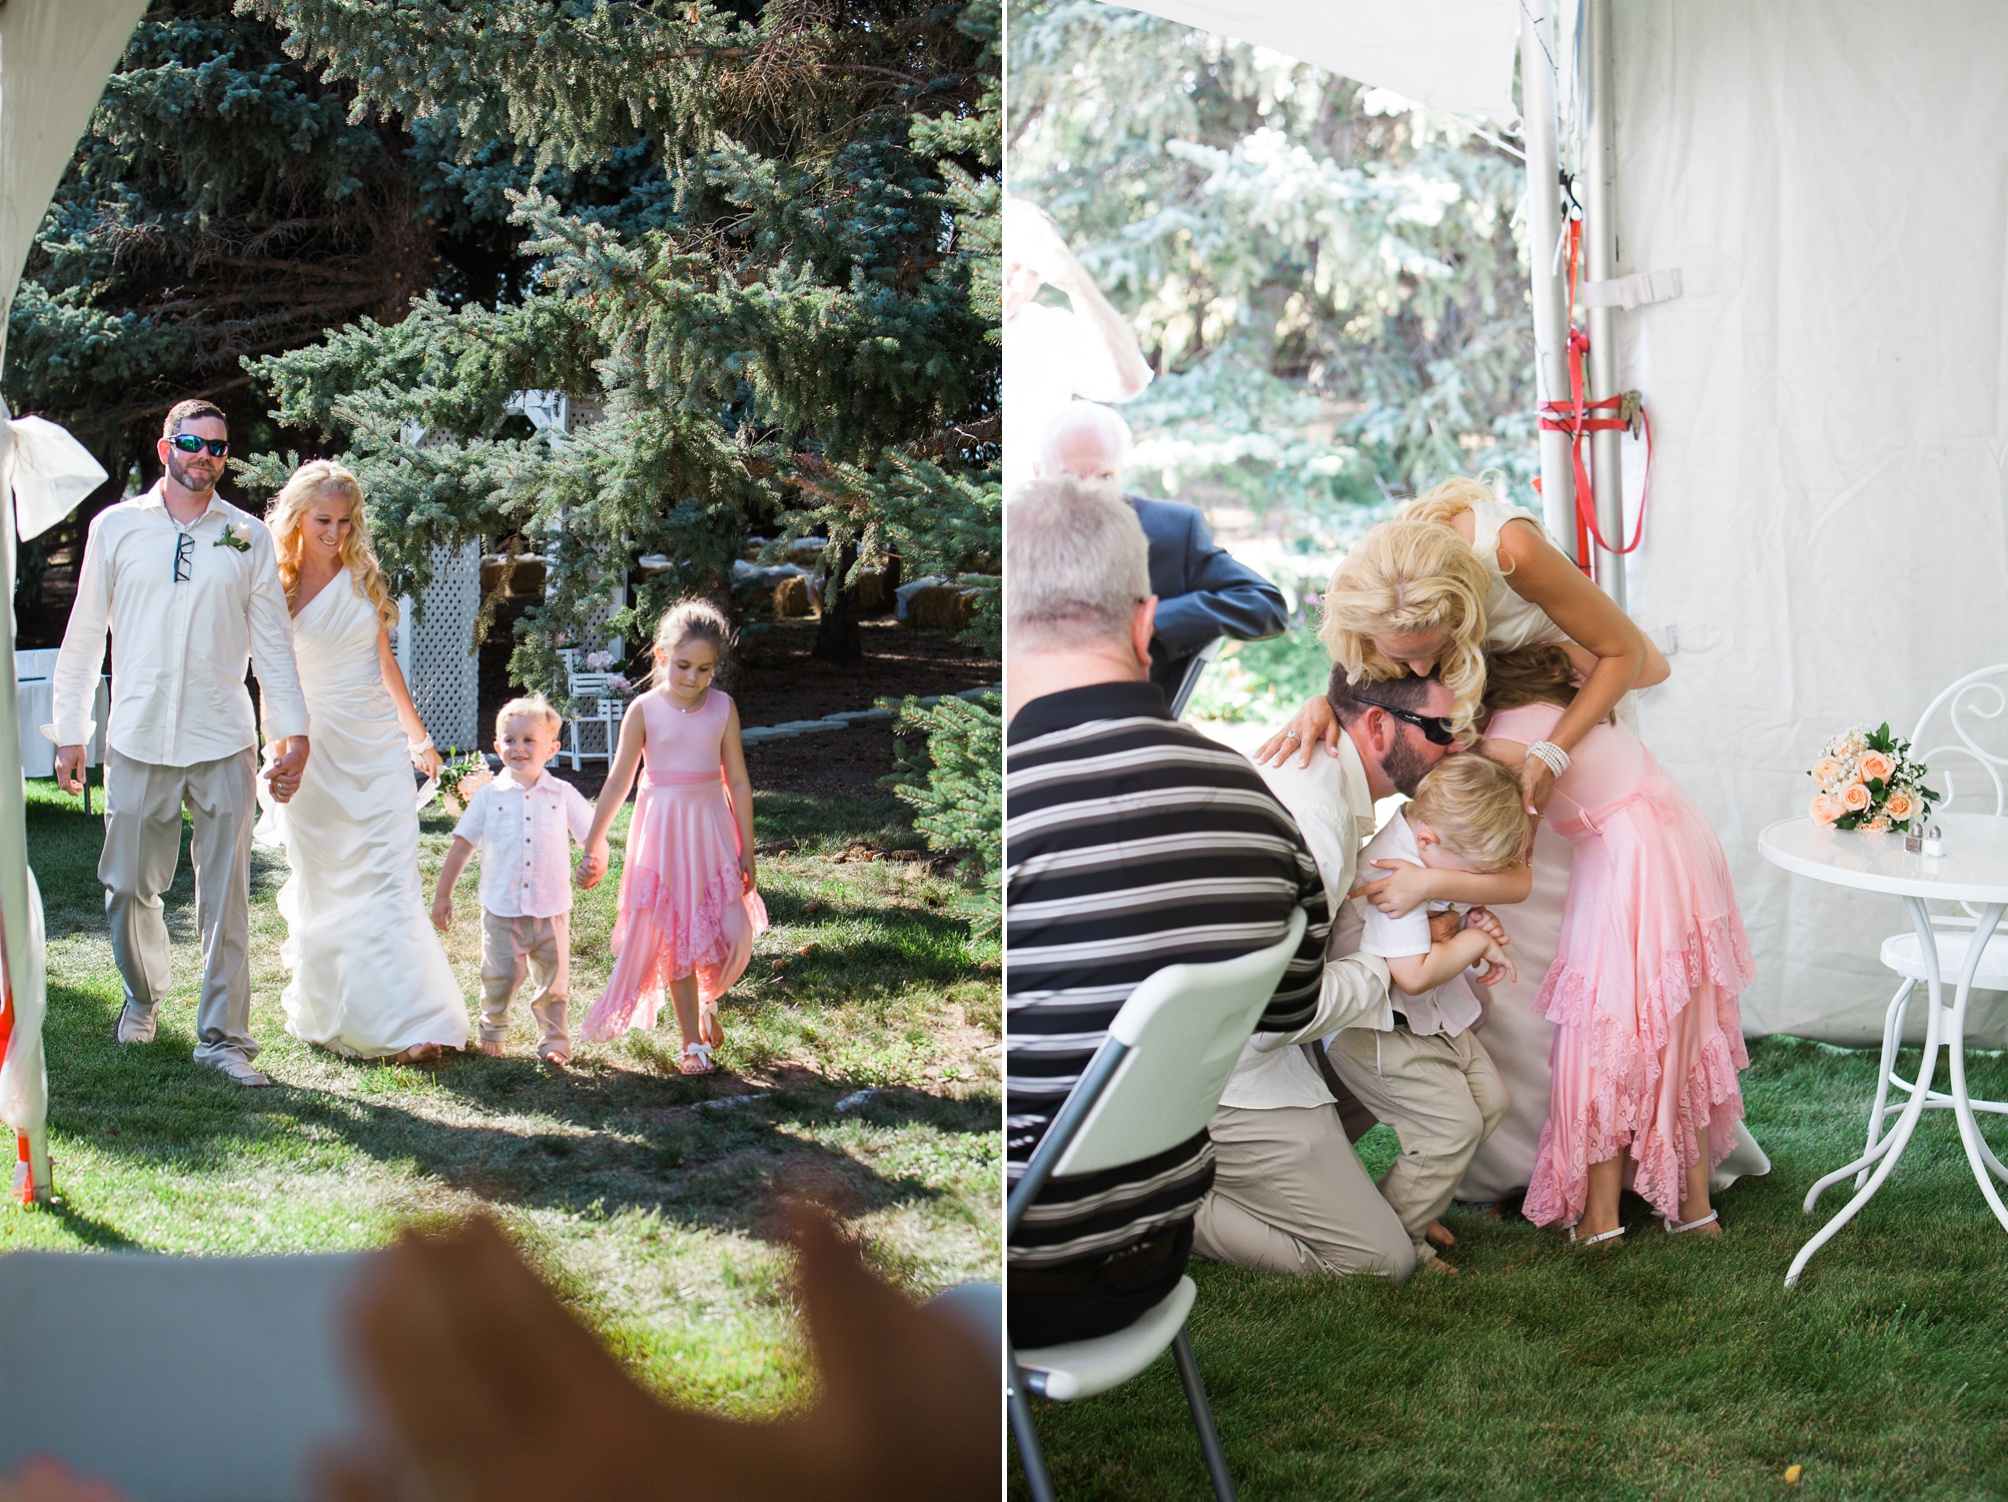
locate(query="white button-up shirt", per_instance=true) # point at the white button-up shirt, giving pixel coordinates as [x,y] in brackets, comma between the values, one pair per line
[179,650]
[1450,1008]
[1334,809]
[524,838]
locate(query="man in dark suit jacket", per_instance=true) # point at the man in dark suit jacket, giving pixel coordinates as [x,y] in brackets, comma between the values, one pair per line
[1202,592]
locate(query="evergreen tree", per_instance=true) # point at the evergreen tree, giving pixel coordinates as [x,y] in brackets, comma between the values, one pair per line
[761,241]
[957,796]
[222,206]
[1326,277]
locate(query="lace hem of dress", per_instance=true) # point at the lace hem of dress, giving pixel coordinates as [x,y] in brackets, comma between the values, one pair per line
[684,945]
[1620,1113]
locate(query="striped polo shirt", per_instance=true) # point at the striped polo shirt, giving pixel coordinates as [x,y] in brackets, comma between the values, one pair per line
[1131,842]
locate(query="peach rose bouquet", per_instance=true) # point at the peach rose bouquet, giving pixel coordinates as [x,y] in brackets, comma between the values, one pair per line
[1868,780]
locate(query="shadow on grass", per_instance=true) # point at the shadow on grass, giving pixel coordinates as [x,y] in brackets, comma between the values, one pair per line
[698,1151]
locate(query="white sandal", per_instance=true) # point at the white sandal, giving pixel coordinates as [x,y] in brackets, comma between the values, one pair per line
[698,1054]
[1601,1236]
[1673,1229]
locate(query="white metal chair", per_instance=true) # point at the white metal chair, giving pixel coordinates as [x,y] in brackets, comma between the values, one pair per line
[181,1379]
[1949,739]
[595,704]
[1155,1081]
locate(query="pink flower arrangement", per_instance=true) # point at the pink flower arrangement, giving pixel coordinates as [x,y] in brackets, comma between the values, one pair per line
[1868,780]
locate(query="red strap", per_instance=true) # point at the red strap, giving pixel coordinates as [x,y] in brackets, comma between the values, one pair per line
[1574,418]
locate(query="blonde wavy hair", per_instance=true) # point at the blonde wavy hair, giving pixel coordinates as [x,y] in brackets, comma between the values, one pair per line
[309,483]
[1413,576]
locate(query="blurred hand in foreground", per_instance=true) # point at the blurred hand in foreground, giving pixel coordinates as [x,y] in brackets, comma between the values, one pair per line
[494,1390]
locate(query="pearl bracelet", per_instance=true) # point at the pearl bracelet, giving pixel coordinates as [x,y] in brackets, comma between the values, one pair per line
[1556,759]
[425,745]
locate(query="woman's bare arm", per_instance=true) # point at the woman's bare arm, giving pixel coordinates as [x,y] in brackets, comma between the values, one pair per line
[427,761]
[739,788]
[1540,575]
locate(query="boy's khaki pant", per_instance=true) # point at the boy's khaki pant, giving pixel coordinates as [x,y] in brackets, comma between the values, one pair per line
[510,947]
[1441,1094]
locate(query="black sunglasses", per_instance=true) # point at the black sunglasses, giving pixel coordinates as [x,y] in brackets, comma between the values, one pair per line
[188,443]
[1435,728]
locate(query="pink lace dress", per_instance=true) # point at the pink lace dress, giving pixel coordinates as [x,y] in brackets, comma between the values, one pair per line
[1643,988]
[682,906]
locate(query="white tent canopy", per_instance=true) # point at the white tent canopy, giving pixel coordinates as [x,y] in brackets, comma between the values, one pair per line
[1453,55]
[1828,537]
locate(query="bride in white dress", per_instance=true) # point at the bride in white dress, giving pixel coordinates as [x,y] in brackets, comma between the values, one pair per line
[369,978]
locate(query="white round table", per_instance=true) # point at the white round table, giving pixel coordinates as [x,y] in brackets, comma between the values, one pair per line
[1974,870]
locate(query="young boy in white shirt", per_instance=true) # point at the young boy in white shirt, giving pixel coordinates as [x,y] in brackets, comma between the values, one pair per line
[524,822]
[1419,1067]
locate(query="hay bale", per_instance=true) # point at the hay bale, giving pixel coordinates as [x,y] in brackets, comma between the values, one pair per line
[792,598]
[871,587]
[941,607]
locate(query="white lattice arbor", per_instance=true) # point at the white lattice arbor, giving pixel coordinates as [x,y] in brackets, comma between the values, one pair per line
[438,655]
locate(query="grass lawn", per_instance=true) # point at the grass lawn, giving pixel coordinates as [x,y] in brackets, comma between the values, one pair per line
[647,1195]
[1665,1368]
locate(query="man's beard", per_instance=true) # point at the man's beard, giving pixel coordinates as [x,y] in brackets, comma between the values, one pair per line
[177,471]
[1404,766]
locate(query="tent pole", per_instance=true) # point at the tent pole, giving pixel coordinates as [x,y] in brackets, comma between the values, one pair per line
[1544,232]
[1600,238]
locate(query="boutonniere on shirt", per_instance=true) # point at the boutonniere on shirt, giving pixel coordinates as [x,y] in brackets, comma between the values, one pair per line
[237,535]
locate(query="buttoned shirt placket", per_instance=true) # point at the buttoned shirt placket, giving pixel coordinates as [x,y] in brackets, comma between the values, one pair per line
[184,609]
[529,846]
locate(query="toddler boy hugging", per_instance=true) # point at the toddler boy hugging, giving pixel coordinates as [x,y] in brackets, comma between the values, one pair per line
[524,822]
[1418,1067]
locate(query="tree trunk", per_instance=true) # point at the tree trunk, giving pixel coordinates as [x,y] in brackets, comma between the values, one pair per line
[840,638]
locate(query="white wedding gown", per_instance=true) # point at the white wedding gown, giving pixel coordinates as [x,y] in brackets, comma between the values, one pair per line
[368,975]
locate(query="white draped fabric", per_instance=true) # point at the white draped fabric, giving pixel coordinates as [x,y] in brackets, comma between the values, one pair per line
[1828,536]
[368,975]
[54,58]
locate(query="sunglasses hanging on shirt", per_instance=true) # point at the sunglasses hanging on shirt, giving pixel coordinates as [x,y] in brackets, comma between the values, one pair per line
[184,557]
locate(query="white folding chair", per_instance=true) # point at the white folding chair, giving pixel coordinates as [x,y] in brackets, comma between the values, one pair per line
[593,704]
[1951,739]
[1154,1082]
[181,1379]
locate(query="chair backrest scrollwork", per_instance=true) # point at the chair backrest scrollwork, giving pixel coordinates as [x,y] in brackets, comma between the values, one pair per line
[1962,738]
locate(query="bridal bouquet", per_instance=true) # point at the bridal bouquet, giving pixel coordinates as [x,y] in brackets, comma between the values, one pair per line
[1869,780]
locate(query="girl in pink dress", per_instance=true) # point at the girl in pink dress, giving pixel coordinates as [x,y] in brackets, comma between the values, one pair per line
[688,909]
[1644,986]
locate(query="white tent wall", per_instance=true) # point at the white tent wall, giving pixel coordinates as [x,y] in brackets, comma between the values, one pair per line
[1830,408]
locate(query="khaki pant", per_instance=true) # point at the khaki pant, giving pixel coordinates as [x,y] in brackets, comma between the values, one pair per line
[143,804]
[1290,1196]
[1442,1096]
[542,947]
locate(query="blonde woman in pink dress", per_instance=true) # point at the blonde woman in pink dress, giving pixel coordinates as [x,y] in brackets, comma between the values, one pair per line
[1644,985]
[688,908]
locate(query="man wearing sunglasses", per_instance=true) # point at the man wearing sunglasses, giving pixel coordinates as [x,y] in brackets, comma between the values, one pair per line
[188,587]
[1289,1194]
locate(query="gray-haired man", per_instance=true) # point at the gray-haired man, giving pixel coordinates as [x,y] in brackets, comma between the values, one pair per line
[189,588]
